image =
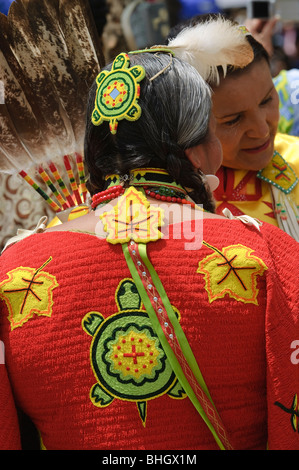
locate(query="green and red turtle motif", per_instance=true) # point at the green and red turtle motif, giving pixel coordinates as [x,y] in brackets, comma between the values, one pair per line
[126,355]
[117,93]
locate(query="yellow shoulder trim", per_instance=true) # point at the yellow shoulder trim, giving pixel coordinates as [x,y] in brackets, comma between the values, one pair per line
[279,173]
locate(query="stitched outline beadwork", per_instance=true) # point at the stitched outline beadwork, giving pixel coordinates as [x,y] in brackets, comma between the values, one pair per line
[28,292]
[117,93]
[126,355]
[270,173]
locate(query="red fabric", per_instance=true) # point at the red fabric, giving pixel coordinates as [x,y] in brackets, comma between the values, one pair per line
[243,349]
[227,191]
[9,429]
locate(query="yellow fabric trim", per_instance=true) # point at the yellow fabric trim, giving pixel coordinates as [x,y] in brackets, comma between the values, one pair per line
[260,209]
[288,147]
[280,174]
[42,445]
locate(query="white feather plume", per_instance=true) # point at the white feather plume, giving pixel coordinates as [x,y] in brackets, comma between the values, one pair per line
[216,43]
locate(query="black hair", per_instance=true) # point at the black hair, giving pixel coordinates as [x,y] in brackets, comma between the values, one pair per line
[175,115]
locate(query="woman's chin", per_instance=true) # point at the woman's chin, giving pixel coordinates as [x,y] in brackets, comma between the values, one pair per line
[250,162]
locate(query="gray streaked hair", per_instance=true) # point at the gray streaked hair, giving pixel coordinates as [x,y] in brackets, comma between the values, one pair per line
[176,108]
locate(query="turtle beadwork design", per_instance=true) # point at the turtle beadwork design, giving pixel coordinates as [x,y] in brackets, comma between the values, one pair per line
[127,358]
[117,93]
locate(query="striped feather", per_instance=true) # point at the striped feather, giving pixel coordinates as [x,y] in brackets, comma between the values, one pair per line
[49,56]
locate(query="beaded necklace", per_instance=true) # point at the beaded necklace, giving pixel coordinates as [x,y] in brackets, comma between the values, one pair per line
[155,182]
[106,196]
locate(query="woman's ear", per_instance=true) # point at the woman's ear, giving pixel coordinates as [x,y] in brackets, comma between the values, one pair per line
[193,155]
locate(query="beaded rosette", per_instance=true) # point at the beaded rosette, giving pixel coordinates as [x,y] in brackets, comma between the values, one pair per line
[117,93]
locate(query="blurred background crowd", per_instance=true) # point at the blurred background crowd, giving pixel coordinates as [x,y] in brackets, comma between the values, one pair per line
[126,24]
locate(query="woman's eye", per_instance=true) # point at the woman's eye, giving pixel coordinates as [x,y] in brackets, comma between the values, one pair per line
[267,100]
[233,121]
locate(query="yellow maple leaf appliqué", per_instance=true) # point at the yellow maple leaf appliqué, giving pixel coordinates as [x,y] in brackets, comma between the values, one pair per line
[26,292]
[133,219]
[232,271]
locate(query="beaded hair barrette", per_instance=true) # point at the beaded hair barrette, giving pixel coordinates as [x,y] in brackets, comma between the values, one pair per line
[117,93]
[118,90]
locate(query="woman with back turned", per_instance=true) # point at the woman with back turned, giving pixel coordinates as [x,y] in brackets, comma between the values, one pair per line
[151,322]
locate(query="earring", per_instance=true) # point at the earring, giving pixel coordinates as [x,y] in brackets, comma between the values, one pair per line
[213,182]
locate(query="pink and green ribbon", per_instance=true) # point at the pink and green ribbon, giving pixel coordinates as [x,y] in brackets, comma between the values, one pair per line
[173,339]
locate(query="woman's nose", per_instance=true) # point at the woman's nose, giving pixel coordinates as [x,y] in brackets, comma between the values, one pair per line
[258,127]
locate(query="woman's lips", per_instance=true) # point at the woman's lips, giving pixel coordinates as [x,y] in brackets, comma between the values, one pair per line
[261,148]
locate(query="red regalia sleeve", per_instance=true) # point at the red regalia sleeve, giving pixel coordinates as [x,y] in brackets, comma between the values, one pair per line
[9,427]
[282,343]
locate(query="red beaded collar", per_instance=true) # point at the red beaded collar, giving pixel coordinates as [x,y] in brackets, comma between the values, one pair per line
[155,182]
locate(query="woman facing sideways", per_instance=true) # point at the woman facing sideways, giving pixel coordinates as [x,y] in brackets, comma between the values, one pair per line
[259,173]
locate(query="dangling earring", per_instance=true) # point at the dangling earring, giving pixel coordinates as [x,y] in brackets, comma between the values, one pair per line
[213,182]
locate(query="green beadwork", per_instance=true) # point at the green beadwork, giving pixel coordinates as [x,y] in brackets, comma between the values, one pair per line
[167,192]
[122,343]
[117,93]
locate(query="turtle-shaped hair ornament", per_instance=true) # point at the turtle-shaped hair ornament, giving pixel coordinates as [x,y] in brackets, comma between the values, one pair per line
[117,93]
[126,355]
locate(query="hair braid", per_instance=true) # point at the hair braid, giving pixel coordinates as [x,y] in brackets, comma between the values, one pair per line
[165,129]
[181,169]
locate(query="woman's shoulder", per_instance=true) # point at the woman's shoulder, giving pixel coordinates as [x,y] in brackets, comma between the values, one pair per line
[65,245]
[282,139]
[223,230]
[247,228]
[288,147]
